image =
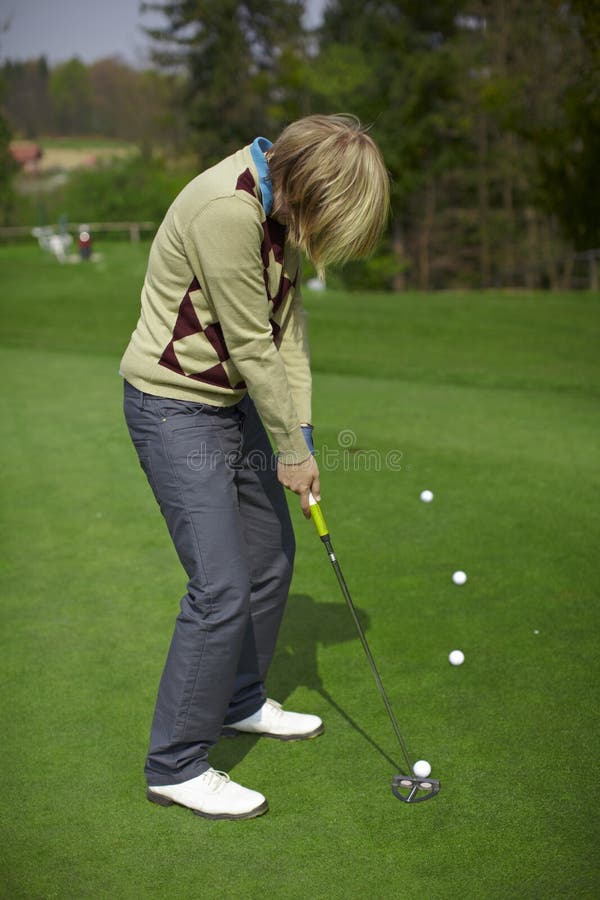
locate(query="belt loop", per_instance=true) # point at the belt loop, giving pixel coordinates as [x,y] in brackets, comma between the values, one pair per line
[142,400]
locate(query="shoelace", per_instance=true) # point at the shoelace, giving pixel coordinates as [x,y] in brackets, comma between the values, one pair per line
[276,707]
[215,779]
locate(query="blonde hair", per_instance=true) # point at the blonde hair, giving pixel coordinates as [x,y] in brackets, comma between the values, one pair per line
[332,182]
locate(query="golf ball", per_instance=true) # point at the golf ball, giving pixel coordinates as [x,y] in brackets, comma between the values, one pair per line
[422,768]
[457,657]
[426,496]
[459,577]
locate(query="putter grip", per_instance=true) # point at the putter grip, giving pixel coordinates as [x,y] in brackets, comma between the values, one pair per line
[318,517]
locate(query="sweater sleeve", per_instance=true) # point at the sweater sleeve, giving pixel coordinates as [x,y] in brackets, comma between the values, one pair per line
[223,244]
[295,352]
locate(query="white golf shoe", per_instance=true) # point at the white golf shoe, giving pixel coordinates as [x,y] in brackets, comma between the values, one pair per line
[273,721]
[212,795]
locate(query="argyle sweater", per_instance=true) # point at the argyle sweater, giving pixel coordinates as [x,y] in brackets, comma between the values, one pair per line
[221,312]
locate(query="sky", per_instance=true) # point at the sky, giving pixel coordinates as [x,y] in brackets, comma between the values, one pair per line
[89,29]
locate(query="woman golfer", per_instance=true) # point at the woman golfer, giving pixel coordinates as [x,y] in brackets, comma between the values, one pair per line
[219,352]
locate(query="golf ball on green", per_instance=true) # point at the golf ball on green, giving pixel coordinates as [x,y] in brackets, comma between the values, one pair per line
[426,496]
[457,658]
[459,577]
[422,768]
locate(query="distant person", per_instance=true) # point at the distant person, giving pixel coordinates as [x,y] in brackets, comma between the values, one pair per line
[84,242]
[220,351]
[57,244]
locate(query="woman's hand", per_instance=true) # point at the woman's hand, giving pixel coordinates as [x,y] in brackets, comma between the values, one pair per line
[301,478]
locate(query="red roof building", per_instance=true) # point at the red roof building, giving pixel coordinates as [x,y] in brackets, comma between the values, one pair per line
[26,153]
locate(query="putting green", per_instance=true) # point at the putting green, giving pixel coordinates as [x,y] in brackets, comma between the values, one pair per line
[488,400]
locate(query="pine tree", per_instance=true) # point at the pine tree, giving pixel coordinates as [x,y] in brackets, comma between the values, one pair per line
[234,56]
[394,65]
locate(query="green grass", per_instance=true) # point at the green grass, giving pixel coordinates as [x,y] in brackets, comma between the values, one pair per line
[490,400]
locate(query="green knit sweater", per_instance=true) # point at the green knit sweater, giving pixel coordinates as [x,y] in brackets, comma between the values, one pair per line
[221,312]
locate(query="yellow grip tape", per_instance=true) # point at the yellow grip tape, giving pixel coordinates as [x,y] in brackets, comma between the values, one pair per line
[319,519]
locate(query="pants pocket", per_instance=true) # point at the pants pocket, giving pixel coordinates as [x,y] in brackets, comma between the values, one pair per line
[143,451]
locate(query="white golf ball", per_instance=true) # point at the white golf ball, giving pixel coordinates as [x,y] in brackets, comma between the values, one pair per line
[459,577]
[422,768]
[426,496]
[457,657]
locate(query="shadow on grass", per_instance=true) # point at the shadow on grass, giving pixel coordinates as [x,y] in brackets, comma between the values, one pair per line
[306,625]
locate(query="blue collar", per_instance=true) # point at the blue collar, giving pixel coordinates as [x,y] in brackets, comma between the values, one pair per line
[258,150]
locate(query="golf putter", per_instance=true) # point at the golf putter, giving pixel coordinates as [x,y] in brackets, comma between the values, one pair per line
[407,788]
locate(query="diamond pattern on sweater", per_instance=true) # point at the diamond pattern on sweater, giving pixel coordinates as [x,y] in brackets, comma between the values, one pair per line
[246,183]
[195,341]
[198,338]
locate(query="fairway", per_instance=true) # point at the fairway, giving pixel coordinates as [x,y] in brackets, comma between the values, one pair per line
[490,400]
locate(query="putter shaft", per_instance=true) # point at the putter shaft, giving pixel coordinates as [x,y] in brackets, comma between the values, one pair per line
[323,532]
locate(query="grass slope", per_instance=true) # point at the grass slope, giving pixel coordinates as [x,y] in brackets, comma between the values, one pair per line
[489,401]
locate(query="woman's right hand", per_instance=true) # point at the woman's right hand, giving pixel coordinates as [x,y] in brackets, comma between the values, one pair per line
[301,478]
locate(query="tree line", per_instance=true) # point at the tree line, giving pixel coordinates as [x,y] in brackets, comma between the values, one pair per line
[106,98]
[487,112]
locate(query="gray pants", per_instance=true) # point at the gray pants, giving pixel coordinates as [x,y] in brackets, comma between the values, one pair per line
[213,474]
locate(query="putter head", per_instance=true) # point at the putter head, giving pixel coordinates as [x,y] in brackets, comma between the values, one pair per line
[411,789]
